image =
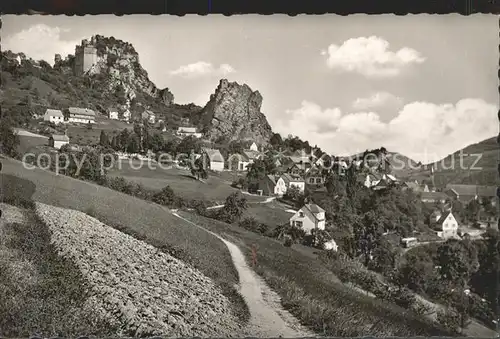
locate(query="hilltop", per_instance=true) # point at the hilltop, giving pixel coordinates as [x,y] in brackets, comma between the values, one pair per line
[481,158]
[112,78]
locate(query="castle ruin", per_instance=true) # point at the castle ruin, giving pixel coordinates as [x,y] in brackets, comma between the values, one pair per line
[85,57]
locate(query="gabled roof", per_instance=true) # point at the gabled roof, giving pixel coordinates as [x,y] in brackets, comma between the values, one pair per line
[463,189]
[314,208]
[54,113]
[413,185]
[187,129]
[272,178]
[60,137]
[251,155]
[81,111]
[288,178]
[213,154]
[433,195]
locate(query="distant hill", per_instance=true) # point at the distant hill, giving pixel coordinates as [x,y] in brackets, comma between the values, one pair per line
[478,166]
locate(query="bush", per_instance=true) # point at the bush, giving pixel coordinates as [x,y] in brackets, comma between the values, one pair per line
[449,319]
[288,242]
[167,197]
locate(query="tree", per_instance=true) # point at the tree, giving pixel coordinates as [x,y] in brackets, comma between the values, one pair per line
[367,235]
[457,261]
[103,139]
[8,140]
[276,141]
[417,272]
[199,167]
[166,197]
[234,207]
[187,145]
[156,143]
[114,143]
[133,145]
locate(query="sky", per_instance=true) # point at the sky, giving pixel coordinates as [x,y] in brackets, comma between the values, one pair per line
[422,85]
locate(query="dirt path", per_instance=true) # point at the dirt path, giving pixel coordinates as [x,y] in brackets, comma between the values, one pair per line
[267,317]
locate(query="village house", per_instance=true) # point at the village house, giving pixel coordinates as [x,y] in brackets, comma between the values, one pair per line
[309,217]
[149,116]
[377,181]
[58,140]
[293,180]
[415,186]
[301,160]
[54,115]
[254,147]
[238,162]
[160,125]
[126,115]
[268,186]
[446,226]
[113,114]
[467,193]
[81,115]
[433,197]
[288,166]
[188,131]
[215,157]
[314,176]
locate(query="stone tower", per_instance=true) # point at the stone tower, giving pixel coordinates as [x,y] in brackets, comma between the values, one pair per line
[85,57]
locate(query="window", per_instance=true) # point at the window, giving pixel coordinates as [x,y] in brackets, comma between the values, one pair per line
[298,223]
[318,180]
[301,214]
[311,180]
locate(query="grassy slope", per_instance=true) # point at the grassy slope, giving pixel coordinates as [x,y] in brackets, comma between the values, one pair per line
[213,189]
[314,294]
[50,301]
[148,221]
[271,214]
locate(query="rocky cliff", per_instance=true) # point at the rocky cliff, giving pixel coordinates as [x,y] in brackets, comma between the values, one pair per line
[118,61]
[233,113]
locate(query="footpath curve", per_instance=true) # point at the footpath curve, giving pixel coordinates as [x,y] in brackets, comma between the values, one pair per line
[267,316]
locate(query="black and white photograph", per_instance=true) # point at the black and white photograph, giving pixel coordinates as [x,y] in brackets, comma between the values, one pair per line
[249,176]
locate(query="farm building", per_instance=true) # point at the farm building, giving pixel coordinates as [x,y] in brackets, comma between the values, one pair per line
[81,115]
[188,131]
[54,115]
[216,159]
[58,140]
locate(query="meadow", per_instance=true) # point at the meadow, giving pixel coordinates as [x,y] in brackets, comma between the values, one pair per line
[215,189]
[314,294]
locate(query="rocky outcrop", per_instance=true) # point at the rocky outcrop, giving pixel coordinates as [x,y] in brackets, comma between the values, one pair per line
[117,63]
[135,286]
[166,96]
[233,113]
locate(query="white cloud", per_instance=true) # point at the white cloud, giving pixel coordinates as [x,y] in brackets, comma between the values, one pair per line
[376,100]
[40,42]
[370,56]
[424,131]
[202,68]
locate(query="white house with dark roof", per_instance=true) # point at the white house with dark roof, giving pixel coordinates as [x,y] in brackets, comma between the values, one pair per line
[81,115]
[292,180]
[58,140]
[54,115]
[309,217]
[188,131]
[446,225]
[215,158]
